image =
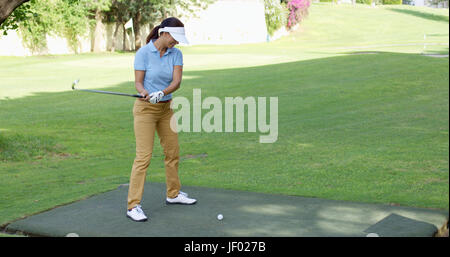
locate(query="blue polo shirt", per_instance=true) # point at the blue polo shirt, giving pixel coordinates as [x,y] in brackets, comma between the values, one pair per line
[158,70]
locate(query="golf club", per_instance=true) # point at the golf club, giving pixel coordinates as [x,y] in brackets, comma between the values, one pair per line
[102,92]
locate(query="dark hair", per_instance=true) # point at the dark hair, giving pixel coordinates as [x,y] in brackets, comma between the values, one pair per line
[169,22]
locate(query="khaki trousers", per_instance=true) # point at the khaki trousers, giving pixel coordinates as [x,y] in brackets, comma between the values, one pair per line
[148,118]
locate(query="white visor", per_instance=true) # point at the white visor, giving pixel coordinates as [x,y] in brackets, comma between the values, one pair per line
[176,32]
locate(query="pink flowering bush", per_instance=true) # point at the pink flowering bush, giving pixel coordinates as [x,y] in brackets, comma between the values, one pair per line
[298,9]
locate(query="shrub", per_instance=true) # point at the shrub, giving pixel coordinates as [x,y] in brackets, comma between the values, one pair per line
[276,15]
[298,10]
[369,2]
[35,20]
[392,2]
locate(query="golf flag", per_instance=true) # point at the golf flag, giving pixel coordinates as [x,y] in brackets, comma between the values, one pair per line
[129,24]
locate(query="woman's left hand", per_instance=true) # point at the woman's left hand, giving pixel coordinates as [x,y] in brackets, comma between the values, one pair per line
[156,97]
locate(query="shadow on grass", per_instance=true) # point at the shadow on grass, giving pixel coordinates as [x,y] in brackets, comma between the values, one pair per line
[424,15]
[437,52]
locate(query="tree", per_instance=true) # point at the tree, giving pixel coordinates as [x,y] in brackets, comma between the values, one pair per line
[118,14]
[19,15]
[7,7]
[97,7]
[436,2]
[154,11]
[34,20]
[71,18]
[142,12]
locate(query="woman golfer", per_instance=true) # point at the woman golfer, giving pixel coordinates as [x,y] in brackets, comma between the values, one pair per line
[158,70]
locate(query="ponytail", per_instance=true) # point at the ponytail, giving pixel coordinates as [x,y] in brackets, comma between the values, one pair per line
[153,34]
[169,22]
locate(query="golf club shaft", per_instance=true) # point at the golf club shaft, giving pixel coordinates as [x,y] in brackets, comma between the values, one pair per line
[107,92]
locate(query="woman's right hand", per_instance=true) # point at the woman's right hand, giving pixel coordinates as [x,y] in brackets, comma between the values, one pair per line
[145,95]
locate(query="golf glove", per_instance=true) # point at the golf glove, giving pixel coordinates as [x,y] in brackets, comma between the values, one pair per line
[156,97]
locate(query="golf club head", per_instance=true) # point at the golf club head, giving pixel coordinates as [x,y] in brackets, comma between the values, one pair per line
[74,83]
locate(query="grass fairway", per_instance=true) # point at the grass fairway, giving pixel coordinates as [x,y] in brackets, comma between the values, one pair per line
[357,127]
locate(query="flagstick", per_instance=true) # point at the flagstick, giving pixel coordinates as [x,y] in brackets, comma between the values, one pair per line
[129,24]
[134,37]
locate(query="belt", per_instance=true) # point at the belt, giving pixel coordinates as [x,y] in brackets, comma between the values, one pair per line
[166,101]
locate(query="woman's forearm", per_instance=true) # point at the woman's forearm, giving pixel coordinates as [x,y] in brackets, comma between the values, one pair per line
[174,86]
[139,80]
[176,80]
[139,87]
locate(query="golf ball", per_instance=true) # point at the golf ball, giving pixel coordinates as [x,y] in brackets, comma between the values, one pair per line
[220,217]
[72,235]
[372,235]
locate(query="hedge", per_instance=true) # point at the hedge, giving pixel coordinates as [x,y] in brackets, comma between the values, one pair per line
[392,2]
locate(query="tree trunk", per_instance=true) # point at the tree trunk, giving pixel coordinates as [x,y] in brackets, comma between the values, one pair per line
[124,37]
[7,7]
[97,32]
[113,46]
[137,31]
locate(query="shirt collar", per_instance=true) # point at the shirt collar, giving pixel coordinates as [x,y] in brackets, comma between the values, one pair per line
[153,48]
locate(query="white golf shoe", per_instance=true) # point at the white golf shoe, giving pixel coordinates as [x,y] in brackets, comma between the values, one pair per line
[137,214]
[181,199]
